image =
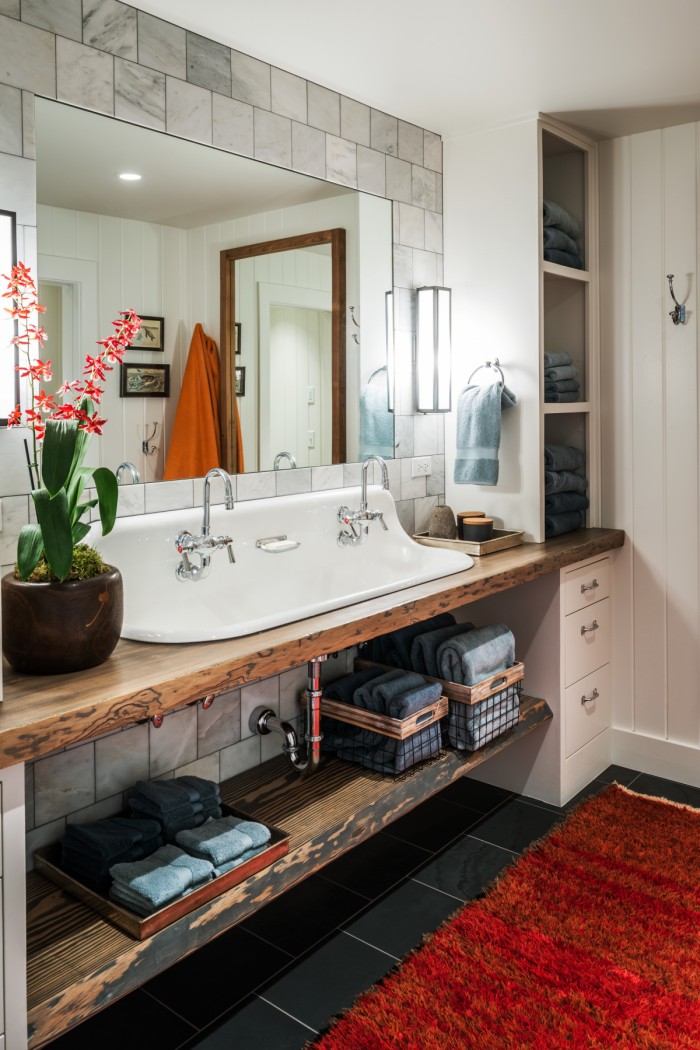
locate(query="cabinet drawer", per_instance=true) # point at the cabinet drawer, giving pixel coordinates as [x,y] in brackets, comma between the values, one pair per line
[583,587]
[587,708]
[586,641]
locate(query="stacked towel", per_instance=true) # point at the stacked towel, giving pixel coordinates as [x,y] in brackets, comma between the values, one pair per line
[177,804]
[479,432]
[561,235]
[146,885]
[395,647]
[425,647]
[561,379]
[343,689]
[88,851]
[376,421]
[565,501]
[469,658]
[226,842]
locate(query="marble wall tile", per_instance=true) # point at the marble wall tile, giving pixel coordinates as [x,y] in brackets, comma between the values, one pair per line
[169,495]
[424,185]
[403,267]
[439,194]
[63,17]
[84,76]
[330,477]
[411,488]
[441,437]
[412,226]
[308,150]
[162,45]
[11,120]
[324,109]
[208,768]
[410,142]
[139,94]
[64,783]
[384,132]
[288,95]
[107,807]
[233,125]
[43,836]
[260,694]
[435,482]
[188,110]
[433,232]
[239,757]
[250,80]
[175,743]
[28,125]
[432,151]
[425,434]
[257,486]
[273,138]
[425,270]
[10,8]
[292,684]
[352,473]
[292,481]
[394,468]
[406,513]
[371,171]
[208,64]
[220,725]
[423,508]
[398,180]
[341,161]
[131,500]
[120,760]
[354,121]
[27,57]
[110,26]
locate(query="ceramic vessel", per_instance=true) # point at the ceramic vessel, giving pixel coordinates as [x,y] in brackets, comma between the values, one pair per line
[57,628]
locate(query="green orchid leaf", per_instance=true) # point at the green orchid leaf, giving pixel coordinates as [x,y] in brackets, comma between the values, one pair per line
[54,521]
[107,496]
[80,531]
[29,550]
[58,453]
[82,507]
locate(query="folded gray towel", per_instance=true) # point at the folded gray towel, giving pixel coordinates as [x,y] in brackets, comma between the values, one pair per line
[201,870]
[236,863]
[564,481]
[552,397]
[343,689]
[408,703]
[479,433]
[395,647]
[365,696]
[553,237]
[425,646]
[563,457]
[567,521]
[469,658]
[554,215]
[216,841]
[384,692]
[556,255]
[161,795]
[562,501]
[561,386]
[199,789]
[561,372]
[553,360]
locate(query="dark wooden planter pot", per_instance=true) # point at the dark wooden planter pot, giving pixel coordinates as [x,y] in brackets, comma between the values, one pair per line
[55,628]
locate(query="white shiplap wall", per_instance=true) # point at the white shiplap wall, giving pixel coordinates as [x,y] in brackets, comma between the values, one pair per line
[650,420]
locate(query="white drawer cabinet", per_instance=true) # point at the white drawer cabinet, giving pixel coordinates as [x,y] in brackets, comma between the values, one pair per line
[587,705]
[586,640]
[585,586]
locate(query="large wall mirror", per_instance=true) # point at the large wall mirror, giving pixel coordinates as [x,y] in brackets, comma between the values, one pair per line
[104,244]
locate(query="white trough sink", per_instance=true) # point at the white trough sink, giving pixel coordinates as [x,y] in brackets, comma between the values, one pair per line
[264,588]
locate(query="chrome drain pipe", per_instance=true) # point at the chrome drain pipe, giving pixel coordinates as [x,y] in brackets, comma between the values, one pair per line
[263,720]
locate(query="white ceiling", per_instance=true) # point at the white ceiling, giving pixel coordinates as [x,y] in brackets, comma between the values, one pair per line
[610,66]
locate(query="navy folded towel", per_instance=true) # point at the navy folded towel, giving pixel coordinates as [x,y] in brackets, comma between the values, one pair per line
[385,692]
[479,432]
[567,521]
[469,658]
[561,386]
[564,481]
[107,838]
[553,397]
[556,255]
[395,648]
[559,502]
[557,372]
[367,696]
[554,215]
[553,360]
[199,789]
[343,689]
[563,457]
[553,237]
[425,647]
[410,701]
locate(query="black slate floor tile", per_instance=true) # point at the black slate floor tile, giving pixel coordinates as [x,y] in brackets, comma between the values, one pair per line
[328,980]
[433,824]
[255,1024]
[466,868]
[133,1018]
[398,923]
[516,825]
[646,784]
[376,865]
[475,794]
[305,914]
[619,773]
[205,984]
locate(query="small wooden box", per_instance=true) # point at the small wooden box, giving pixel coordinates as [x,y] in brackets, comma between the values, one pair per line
[502,539]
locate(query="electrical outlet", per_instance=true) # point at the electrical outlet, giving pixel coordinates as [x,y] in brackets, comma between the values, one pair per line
[311,395]
[311,439]
[420,468]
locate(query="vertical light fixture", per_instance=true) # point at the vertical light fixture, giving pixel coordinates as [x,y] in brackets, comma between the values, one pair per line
[390,351]
[9,377]
[433,350]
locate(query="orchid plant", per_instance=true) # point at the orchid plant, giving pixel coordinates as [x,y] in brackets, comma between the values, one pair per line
[60,432]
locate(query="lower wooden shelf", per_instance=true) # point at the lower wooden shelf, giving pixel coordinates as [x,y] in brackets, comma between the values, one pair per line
[77,963]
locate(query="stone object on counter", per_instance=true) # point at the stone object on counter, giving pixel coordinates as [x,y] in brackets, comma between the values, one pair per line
[442,524]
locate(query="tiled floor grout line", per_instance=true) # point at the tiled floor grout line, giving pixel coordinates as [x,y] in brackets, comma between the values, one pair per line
[287,1014]
[443,892]
[195,1029]
[396,958]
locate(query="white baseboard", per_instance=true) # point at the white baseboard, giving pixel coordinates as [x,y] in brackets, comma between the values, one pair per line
[661,758]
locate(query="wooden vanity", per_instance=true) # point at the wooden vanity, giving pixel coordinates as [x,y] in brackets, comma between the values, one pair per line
[77,962]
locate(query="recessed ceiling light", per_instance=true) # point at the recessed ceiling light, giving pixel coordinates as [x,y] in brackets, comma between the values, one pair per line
[129,176]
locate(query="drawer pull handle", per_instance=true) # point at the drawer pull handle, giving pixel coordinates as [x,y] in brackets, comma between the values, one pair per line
[589,586]
[590,698]
[589,630]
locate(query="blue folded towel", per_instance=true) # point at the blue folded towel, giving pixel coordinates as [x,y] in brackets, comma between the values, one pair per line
[425,647]
[409,702]
[155,879]
[563,457]
[561,386]
[559,502]
[376,421]
[479,433]
[554,215]
[368,697]
[216,841]
[343,689]
[258,833]
[553,237]
[561,372]
[553,360]
[236,863]
[563,481]
[555,255]
[469,658]
[395,648]
[567,521]
[553,397]
[385,692]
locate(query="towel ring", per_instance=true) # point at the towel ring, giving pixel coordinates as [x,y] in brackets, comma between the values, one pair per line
[376,373]
[494,365]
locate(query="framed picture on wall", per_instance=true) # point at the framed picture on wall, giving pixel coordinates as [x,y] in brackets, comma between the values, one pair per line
[139,380]
[240,382]
[150,335]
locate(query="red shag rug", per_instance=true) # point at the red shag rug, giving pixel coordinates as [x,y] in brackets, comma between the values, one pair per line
[592,940]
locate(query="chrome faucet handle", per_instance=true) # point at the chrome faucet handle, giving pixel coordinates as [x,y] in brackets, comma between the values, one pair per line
[218,543]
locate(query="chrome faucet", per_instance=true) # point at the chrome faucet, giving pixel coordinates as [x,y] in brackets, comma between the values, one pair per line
[357,522]
[132,470]
[188,545]
[284,455]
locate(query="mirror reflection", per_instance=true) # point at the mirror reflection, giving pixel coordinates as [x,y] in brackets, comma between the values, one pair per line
[153,245]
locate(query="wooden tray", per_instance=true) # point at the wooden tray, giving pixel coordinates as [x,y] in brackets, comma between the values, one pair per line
[140,927]
[396,728]
[464,694]
[502,538]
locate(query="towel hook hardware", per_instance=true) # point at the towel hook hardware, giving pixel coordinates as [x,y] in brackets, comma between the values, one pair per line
[149,451]
[677,315]
[354,320]
[494,365]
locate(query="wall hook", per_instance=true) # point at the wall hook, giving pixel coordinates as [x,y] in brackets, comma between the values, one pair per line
[146,446]
[677,315]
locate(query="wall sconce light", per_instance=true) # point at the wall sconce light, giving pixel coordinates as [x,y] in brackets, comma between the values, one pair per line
[9,377]
[390,351]
[433,350]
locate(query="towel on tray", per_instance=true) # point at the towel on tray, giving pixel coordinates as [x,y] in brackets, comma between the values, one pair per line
[107,838]
[479,433]
[559,502]
[425,647]
[553,360]
[469,658]
[554,215]
[567,521]
[166,875]
[564,481]
[376,421]
[563,457]
[553,237]
[223,839]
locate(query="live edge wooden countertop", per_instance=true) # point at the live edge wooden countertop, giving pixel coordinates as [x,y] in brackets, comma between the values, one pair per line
[41,714]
